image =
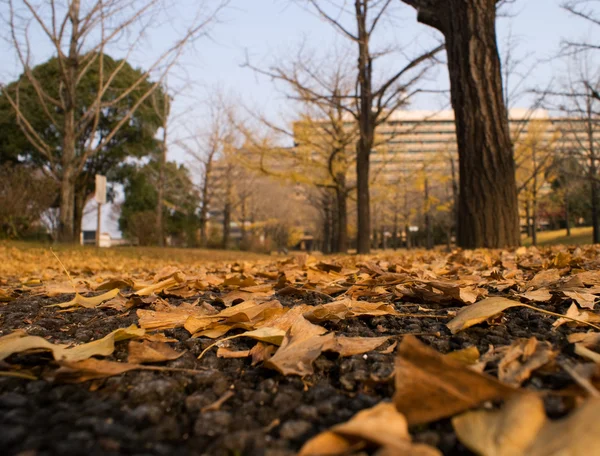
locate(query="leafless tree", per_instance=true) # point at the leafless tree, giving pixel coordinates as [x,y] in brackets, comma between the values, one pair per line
[324,135]
[488,205]
[79,35]
[371,104]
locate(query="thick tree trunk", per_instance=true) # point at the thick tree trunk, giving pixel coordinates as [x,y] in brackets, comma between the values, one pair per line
[68,159]
[488,207]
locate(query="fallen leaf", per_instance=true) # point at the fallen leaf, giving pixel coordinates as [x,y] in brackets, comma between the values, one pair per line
[540,295]
[224,352]
[543,279]
[348,346]
[261,352]
[480,311]
[90,369]
[19,342]
[431,386]
[348,308]
[302,344]
[151,352]
[576,317]
[521,428]
[380,425]
[88,303]
[469,355]
[522,358]
[584,299]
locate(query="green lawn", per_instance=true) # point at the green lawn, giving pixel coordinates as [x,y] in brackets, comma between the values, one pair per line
[582,235]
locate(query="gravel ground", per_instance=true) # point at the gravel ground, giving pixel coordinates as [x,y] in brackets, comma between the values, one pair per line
[265,413]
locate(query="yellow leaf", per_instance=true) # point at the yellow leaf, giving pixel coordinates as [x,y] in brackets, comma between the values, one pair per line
[88,303]
[480,311]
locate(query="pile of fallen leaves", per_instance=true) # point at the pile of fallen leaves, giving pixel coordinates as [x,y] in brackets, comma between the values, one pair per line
[493,408]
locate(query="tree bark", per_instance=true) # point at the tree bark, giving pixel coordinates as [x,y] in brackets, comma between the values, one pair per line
[366,125]
[567,214]
[342,217]
[68,159]
[162,162]
[488,207]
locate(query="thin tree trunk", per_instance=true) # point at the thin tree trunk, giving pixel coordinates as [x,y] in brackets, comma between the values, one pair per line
[395,231]
[342,220]
[427,210]
[567,214]
[366,126]
[226,225]
[162,162]
[78,208]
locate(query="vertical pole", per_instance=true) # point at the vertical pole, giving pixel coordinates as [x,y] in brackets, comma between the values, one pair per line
[99,225]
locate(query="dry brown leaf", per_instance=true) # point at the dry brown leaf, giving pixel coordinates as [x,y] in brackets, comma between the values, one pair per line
[19,342]
[261,352]
[522,358]
[302,344]
[590,339]
[151,352]
[348,308]
[249,312]
[348,346]
[90,369]
[170,317]
[88,303]
[469,355]
[539,295]
[521,428]
[576,317]
[480,311]
[581,297]
[224,352]
[543,279]
[237,296]
[431,386]
[381,426]
[508,432]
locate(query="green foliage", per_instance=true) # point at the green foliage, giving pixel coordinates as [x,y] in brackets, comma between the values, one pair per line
[181,200]
[136,138]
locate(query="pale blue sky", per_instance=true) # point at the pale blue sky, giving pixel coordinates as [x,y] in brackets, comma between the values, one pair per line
[269,30]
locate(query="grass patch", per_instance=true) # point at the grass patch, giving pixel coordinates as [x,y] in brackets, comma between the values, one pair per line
[580,235]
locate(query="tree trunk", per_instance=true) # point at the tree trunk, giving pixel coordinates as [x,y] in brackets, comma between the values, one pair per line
[326,226]
[162,161]
[592,177]
[567,214]
[226,225]
[366,126]
[67,205]
[78,208]
[488,207]
[427,210]
[342,220]
[528,217]
[395,231]
[68,159]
